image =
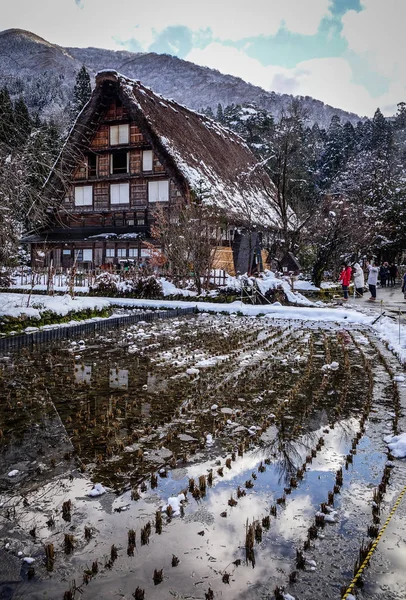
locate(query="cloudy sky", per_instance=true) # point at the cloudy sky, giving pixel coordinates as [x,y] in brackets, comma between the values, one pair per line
[348,53]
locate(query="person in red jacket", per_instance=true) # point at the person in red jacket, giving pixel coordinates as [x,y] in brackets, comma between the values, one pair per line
[345,278]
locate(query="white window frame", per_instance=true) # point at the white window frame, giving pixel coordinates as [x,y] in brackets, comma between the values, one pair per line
[158,191]
[86,253]
[147,161]
[120,193]
[119,134]
[83,195]
[133,252]
[110,252]
[121,252]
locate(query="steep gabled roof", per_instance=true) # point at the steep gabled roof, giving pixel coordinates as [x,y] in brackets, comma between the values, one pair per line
[198,153]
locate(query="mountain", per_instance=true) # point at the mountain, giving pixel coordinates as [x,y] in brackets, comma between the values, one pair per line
[45,73]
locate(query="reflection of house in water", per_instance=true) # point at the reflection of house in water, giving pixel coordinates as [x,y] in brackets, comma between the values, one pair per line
[145,409]
[83,374]
[118,379]
[156,383]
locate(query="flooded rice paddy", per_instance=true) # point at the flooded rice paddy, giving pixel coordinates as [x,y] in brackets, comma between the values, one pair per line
[271,430]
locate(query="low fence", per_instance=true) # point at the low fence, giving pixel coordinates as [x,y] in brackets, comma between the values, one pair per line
[29,340]
[85,279]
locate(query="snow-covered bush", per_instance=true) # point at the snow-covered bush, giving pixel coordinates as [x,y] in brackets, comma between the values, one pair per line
[5,279]
[148,287]
[109,284]
[106,284]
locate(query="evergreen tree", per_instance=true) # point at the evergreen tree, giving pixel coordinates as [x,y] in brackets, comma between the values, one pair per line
[209,112]
[7,126]
[400,122]
[22,122]
[381,133]
[349,140]
[333,157]
[82,91]
[219,114]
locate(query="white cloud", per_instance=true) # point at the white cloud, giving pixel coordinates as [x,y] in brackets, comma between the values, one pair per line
[99,22]
[327,79]
[378,34]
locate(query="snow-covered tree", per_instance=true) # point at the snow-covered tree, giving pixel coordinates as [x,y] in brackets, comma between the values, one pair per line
[82,91]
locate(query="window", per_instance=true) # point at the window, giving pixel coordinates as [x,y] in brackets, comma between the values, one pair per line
[119,162]
[119,134]
[120,193]
[91,165]
[158,191]
[130,222]
[140,221]
[133,252]
[84,255]
[66,252]
[122,252]
[110,253]
[83,195]
[147,160]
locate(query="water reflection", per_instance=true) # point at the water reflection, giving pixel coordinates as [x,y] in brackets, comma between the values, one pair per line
[83,374]
[118,379]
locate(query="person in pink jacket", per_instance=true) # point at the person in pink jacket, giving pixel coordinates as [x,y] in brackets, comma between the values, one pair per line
[345,278]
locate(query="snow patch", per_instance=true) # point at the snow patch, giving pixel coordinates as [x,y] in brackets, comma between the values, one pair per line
[397,445]
[97,490]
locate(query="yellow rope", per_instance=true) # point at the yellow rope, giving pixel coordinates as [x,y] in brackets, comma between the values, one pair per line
[373,547]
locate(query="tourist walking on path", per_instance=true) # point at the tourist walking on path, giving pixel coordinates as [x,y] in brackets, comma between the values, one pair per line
[372,280]
[384,274]
[359,280]
[393,273]
[345,278]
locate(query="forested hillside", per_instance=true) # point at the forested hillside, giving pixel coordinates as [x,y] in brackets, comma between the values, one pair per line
[346,184]
[44,74]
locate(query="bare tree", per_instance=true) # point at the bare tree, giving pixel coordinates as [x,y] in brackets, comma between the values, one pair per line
[188,235]
[338,230]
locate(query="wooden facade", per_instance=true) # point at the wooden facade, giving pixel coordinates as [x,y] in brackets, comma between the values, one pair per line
[129,152]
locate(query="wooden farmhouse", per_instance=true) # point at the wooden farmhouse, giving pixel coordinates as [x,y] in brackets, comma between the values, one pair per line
[130,151]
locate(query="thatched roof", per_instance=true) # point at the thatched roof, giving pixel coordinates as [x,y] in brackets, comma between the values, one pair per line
[198,153]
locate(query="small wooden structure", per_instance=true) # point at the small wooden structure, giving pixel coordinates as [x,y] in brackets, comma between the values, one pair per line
[290,265]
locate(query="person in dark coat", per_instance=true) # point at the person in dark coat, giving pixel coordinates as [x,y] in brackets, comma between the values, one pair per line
[393,273]
[384,274]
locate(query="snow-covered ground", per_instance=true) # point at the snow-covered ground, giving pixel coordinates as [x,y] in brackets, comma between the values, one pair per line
[266,281]
[386,329]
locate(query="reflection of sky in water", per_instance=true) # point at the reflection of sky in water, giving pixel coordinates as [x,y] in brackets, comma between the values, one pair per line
[83,374]
[118,379]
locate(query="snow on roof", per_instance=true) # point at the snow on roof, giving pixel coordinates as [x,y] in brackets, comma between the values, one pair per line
[198,153]
[206,155]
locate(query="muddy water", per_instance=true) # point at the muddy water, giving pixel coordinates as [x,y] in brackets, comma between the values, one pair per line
[250,418]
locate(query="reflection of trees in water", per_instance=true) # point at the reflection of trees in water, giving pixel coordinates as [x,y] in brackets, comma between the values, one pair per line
[288,455]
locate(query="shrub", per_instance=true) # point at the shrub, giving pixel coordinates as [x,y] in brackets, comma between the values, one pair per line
[5,279]
[108,284]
